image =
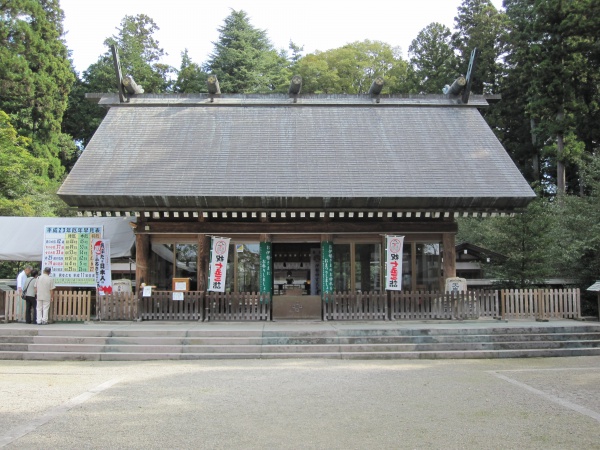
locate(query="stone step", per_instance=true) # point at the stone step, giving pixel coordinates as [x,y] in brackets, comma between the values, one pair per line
[148,342]
[295,340]
[474,354]
[225,341]
[295,348]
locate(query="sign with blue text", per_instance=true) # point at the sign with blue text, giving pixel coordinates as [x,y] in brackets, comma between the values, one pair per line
[68,252]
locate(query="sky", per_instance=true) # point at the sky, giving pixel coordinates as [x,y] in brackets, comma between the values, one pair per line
[314,24]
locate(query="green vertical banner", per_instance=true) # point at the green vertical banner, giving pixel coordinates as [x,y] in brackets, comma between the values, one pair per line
[266,268]
[327,266]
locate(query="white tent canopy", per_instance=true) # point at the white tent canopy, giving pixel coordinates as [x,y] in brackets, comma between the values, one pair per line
[22,238]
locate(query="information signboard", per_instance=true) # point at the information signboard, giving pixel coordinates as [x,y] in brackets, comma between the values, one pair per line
[68,252]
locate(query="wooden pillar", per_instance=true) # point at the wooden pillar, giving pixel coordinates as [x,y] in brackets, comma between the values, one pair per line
[203,255]
[142,259]
[449,243]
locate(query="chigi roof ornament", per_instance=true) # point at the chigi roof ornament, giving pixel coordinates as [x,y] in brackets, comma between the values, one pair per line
[125,84]
[463,84]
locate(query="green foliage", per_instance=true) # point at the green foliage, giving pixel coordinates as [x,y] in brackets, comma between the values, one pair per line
[433,59]
[81,118]
[578,228]
[479,25]
[190,77]
[244,59]
[525,239]
[352,68]
[139,55]
[25,190]
[553,74]
[35,75]
[35,79]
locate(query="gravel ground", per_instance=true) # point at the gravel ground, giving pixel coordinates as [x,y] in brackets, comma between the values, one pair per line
[548,403]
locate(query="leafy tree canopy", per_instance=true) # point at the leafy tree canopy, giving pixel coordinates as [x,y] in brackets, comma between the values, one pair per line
[139,55]
[352,68]
[24,188]
[190,77]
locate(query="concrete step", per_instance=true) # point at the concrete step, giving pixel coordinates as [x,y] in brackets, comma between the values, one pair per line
[297,348]
[474,354]
[180,343]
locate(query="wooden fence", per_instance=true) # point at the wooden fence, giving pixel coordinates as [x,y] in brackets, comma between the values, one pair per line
[424,305]
[237,306]
[117,306]
[541,304]
[533,304]
[161,306]
[68,306]
[360,306]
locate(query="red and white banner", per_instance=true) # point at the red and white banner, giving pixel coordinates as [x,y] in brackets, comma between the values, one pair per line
[218,264]
[101,256]
[393,249]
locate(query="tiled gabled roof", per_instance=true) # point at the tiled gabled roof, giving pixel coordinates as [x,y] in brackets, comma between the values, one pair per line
[323,152]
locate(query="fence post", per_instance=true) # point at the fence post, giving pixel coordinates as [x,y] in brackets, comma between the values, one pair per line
[139,305]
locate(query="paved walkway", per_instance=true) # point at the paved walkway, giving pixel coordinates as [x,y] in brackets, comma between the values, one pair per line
[547,403]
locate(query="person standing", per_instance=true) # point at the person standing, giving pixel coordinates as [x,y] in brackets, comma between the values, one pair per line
[22,278]
[30,302]
[44,287]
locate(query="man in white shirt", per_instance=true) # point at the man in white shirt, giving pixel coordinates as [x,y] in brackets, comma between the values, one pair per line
[44,286]
[21,279]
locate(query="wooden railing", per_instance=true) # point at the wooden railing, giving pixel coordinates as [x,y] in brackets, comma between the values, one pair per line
[117,306]
[540,304]
[161,306]
[436,305]
[531,304]
[360,306]
[68,306]
[237,306]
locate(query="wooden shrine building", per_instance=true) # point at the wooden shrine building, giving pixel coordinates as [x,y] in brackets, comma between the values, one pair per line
[300,183]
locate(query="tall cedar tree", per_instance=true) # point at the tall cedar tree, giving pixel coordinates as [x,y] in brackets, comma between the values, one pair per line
[35,78]
[552,57]
[139,55]
[478,24]
[433,59]
[244,59]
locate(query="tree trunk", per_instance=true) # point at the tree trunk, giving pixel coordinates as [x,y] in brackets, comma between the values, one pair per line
[560,165]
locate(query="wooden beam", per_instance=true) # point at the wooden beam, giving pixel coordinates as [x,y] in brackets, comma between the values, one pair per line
[222,228]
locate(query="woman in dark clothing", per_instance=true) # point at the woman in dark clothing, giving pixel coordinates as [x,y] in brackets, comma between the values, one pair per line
[31,302]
